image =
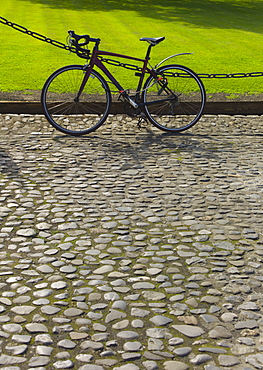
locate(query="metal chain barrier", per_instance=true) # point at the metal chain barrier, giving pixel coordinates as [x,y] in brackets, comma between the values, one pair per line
[37,36]
[132,67]
[119,64]
[230,75]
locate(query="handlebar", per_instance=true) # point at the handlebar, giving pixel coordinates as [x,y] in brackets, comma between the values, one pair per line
[80,41]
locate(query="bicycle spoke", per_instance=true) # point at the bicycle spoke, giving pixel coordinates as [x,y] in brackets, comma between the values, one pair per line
[177,103]
[69,114]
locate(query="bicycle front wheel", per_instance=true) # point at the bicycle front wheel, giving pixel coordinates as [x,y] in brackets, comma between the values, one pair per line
[175,99]
[70,113]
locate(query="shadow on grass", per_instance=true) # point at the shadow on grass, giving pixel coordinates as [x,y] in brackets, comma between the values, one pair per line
[227,14]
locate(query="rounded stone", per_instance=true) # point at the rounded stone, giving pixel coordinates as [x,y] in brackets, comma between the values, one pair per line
[114,315]
[155,333]
[45,269]
[89,344]
[26,232]
[226,360]
[143,285]
[127,334]
[50,310]
[155,344]
[200,359]
[161,320]
[153,296]
[111,296]
[17,350]
[23,310]
[39,361]
[91,367]
[36,328]
[229,316]
[12,328]
[59,285]
[41,302]
[84,357]
[66,343]
[43,293]
[220,332]
[120,325]
[109,225]
[103,270]
[150,365]
[182,351]
[67,364]
[44,339]
[139,312]
[175,341]
[2,309]
[189,330]
[43,226]
[175,365]
[100,337]
[11,360]
[137,323]
[72,312]
[132,346]
[68,269]
[126,367]
[21,338]
[255,360]
[44,350]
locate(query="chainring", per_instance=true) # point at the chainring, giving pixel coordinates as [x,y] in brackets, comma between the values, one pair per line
[130,110]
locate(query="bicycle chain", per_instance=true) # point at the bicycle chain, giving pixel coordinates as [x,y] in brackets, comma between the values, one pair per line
[116,63]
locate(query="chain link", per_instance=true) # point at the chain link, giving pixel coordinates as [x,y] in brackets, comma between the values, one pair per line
[200,75]
[116,63]
[37,36]
[230,75]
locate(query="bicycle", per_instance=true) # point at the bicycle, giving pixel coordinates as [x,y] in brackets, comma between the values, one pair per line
[76,99]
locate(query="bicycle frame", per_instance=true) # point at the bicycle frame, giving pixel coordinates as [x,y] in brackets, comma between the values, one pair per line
[95,61]
[171,97]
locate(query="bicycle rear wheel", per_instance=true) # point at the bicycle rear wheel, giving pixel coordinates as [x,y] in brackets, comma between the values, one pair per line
[68,113]
[174,101]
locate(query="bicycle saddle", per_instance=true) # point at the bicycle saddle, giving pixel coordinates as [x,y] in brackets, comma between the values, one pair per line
[153,41]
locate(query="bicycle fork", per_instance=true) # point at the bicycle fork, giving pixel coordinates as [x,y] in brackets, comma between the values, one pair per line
[87,73]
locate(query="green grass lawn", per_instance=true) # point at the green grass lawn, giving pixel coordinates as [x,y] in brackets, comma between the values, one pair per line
[225,36]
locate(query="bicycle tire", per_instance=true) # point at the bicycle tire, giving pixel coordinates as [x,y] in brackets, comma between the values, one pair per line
[70,115]
[175,100]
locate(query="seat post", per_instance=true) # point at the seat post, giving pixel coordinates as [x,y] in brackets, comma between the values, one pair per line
[148,52]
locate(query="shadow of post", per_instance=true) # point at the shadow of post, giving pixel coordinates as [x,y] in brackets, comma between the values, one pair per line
[7,166]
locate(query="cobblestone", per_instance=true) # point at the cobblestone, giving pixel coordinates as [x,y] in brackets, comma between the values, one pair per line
[131,248]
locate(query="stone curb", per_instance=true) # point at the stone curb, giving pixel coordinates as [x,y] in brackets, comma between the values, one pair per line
[229,107]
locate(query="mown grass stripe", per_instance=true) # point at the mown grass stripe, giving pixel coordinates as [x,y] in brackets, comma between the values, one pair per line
[226,36]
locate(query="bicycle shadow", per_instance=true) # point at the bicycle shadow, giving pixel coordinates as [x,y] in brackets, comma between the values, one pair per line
[144,145]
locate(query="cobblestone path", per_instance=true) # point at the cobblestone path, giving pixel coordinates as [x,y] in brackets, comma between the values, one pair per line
[130,248]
